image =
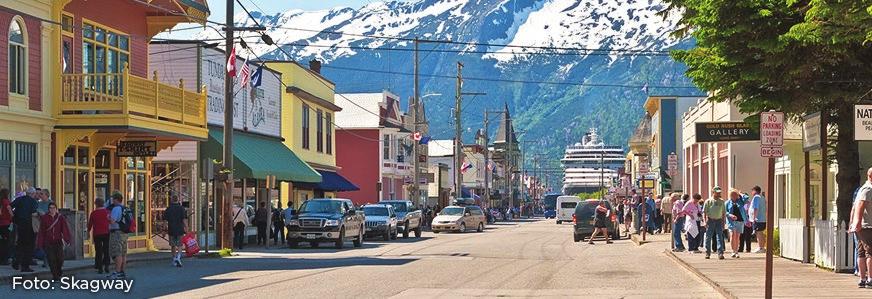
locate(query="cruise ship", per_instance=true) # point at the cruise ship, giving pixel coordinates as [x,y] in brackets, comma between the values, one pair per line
[590,164]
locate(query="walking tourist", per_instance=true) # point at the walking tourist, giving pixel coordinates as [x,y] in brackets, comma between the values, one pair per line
[735,210]
[240,221]
[98,226]
[676,206]
[713,212]
[119,226]
[861,226]
[5,223]
[692,224]
[628,216]
[599,222]
[758,215]
[748,230]
[260,219]
[177,221]
[666,210]
[278,226]
[54,235]
[24,210]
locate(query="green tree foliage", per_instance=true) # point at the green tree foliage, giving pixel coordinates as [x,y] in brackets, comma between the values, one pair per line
[793,56]
[593,195]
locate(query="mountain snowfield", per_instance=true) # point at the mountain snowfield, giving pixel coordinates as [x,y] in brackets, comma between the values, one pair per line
[543,84]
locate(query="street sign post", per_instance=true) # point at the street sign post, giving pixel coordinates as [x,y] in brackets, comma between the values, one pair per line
[771,146]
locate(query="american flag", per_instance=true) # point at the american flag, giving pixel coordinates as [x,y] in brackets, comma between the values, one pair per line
[245,75]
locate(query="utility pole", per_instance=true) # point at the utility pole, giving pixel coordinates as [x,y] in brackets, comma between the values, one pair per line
[416,184]
[487,173]
[227,157]
[458,179]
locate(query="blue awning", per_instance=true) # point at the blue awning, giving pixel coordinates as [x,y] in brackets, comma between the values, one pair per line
[332,181]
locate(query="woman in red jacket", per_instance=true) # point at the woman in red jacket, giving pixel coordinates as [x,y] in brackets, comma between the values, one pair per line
[53,235]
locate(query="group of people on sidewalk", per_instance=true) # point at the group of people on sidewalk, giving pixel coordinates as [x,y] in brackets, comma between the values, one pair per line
[31,227]
[740,219]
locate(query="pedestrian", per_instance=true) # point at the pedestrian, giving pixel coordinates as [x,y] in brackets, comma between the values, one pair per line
[628,216]
[119,221]
[260,219]
[692,223]
[5,223]
[635,199]
[861,226]
[278,226]
[714,211]
[758,215]
[54,235]
[666,211]
[736,215]
[599,222]
[24,211]
[240,221]
[676,205]
[658,214]
[98,226]
[650,207]
[177,222]
[748,231]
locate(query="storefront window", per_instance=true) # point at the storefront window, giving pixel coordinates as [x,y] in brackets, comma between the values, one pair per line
[83,155]
[136,199]
[84,184]
[76,179]
[25,165]
[5,164]
[70,156]
[69,188]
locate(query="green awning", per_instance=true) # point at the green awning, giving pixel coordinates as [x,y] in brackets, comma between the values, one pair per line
[257,157]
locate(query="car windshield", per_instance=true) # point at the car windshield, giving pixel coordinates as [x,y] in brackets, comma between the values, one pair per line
[375,211]
[321,206]
[455,211]
[399,206]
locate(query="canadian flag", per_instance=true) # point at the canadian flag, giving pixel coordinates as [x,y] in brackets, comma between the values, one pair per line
[231,63]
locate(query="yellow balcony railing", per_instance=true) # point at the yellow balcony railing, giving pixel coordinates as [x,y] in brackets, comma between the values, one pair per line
[114,96]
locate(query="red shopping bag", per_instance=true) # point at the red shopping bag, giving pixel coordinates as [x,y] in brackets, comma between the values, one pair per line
[191,245]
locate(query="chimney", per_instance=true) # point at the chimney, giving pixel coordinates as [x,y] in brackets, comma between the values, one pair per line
[315,65]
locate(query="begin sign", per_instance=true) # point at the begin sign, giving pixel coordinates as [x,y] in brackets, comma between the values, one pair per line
[771,151]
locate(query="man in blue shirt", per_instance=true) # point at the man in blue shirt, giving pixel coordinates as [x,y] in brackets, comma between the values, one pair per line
[23,209]
[758,217]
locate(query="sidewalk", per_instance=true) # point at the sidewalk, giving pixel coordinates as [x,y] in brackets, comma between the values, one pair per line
[744,277]
[73,266]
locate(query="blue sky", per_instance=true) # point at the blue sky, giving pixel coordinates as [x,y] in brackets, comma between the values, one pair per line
[274,6]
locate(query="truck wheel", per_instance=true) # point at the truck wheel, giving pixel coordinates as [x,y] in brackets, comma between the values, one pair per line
[394,233]
[359,241]
[480,227]
[313,244]
[418,232]
[340,242]
[406,230]
[576,237]
[387,236]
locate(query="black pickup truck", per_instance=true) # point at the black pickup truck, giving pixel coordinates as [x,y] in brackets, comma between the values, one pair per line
[326,220]
[409,218]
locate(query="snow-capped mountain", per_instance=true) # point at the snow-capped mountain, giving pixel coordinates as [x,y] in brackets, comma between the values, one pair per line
[368,49]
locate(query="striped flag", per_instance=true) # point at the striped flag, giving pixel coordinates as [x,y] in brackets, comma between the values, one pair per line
[466,166]
[245,75]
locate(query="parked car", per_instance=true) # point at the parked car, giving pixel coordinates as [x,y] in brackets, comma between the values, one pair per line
[409,218]
[565,207]
[381,220]
[326,220]
[583,220]
[459,219]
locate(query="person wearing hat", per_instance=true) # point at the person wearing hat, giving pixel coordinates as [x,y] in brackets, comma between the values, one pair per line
[714,211]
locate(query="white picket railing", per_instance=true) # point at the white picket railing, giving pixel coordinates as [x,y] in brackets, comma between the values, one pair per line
[792,238]
[833,246]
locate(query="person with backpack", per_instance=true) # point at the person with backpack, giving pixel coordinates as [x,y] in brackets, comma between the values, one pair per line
[119,226]
[54,235]
[278,226]
[98,225]
[240,221]
[260,218]
[177,221]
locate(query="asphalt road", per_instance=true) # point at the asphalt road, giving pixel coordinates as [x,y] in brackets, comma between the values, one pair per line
[524,259]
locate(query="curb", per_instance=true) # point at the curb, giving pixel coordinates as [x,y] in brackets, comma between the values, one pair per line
[73,270]
[723,291]
[638,240]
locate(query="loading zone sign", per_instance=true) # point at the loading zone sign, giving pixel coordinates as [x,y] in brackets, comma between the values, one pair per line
[771,134]
[862,122]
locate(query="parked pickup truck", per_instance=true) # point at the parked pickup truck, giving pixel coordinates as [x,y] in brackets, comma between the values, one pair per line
[409,218]
[326,220]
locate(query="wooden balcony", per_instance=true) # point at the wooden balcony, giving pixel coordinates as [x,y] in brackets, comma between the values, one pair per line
[124,101]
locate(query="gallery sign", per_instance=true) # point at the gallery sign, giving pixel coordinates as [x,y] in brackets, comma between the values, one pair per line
[129,148]
[255,109]
[862,122]
[726,132]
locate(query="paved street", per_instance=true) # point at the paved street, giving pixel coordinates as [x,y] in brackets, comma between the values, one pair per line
[529,259]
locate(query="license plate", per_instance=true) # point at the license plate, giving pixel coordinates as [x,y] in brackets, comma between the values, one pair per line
[310,236]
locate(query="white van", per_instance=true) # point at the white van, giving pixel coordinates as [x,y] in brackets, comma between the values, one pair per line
[566,207]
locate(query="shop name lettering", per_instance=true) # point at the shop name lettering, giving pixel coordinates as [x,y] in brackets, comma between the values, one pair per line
[135,147]
[864,115]
[728,130]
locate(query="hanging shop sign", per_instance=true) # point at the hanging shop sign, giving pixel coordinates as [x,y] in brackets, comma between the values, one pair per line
[862,122]
[131,148]
[811,132]
[726,132]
